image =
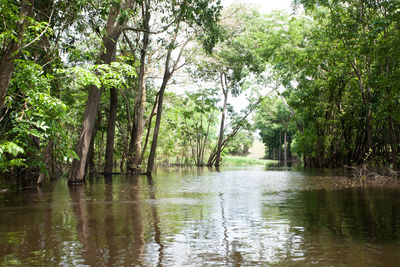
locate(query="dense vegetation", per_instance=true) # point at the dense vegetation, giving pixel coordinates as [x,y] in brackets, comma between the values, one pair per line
[339,69]
[84,84]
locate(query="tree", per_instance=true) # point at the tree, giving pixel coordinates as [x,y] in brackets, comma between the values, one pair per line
[201,13]
[272,118]
[113,30]
[134,156]
[241,143]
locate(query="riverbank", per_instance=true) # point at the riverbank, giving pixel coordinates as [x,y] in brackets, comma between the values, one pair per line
[246,161]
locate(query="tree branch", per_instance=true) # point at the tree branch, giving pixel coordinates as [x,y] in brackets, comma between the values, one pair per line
[44,31]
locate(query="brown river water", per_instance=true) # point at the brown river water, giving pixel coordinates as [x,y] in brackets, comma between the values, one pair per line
[244,216]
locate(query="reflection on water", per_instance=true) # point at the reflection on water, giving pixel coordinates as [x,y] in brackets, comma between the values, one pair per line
[234,217]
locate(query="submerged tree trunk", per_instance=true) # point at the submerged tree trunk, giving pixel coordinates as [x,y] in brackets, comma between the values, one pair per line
[225,90]
[167,76]
[150,162]
[90,166]
[393,144]
[285,147]
[135,146]
[109,160]
[78,168]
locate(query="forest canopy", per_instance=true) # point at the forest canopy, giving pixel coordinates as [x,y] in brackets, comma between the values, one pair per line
[91,86]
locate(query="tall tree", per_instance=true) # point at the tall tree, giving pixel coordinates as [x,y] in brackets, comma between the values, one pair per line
[135,147]
[113,30]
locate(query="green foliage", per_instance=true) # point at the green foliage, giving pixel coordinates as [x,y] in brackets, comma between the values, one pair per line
[114,75]
[338,100]
[13,150]
[336,66]
[189,127]
[34,118]
[272,119]
[241,143]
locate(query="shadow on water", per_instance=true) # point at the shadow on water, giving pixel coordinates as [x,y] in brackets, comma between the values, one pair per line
[110,232]
[284,166]
[156,220]
[298,166]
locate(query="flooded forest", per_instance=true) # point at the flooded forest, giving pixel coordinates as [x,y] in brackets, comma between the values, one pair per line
[128,131]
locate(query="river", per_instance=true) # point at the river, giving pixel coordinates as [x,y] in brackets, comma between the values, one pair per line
[243,216]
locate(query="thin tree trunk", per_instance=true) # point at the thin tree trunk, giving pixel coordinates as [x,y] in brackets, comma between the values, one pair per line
[280,146]
[368,128]
[285,147]
[153,112]
[6,69]
[111,131]
[101,148]
[150,162]
[393,144]
[366,97]
[167,76]
[225,90]
[205,142]
[135,146]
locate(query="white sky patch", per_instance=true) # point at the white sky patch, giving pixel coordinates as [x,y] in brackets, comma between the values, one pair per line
[266,6]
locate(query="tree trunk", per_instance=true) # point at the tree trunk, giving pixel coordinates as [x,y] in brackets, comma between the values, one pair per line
[47,163]
[393,143]
[285,147]
[222,126]
[213,153]
[205,142]
[167,75]
[6,70]
[153,112]
[280,146]
[113,31]
[111,131]
[150,162]
[90,166]
[78,168]
[368,129]
[135,146]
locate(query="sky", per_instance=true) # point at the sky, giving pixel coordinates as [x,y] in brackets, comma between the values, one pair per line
[266,6]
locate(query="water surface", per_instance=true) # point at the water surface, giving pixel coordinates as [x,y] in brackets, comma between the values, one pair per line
[236,217]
